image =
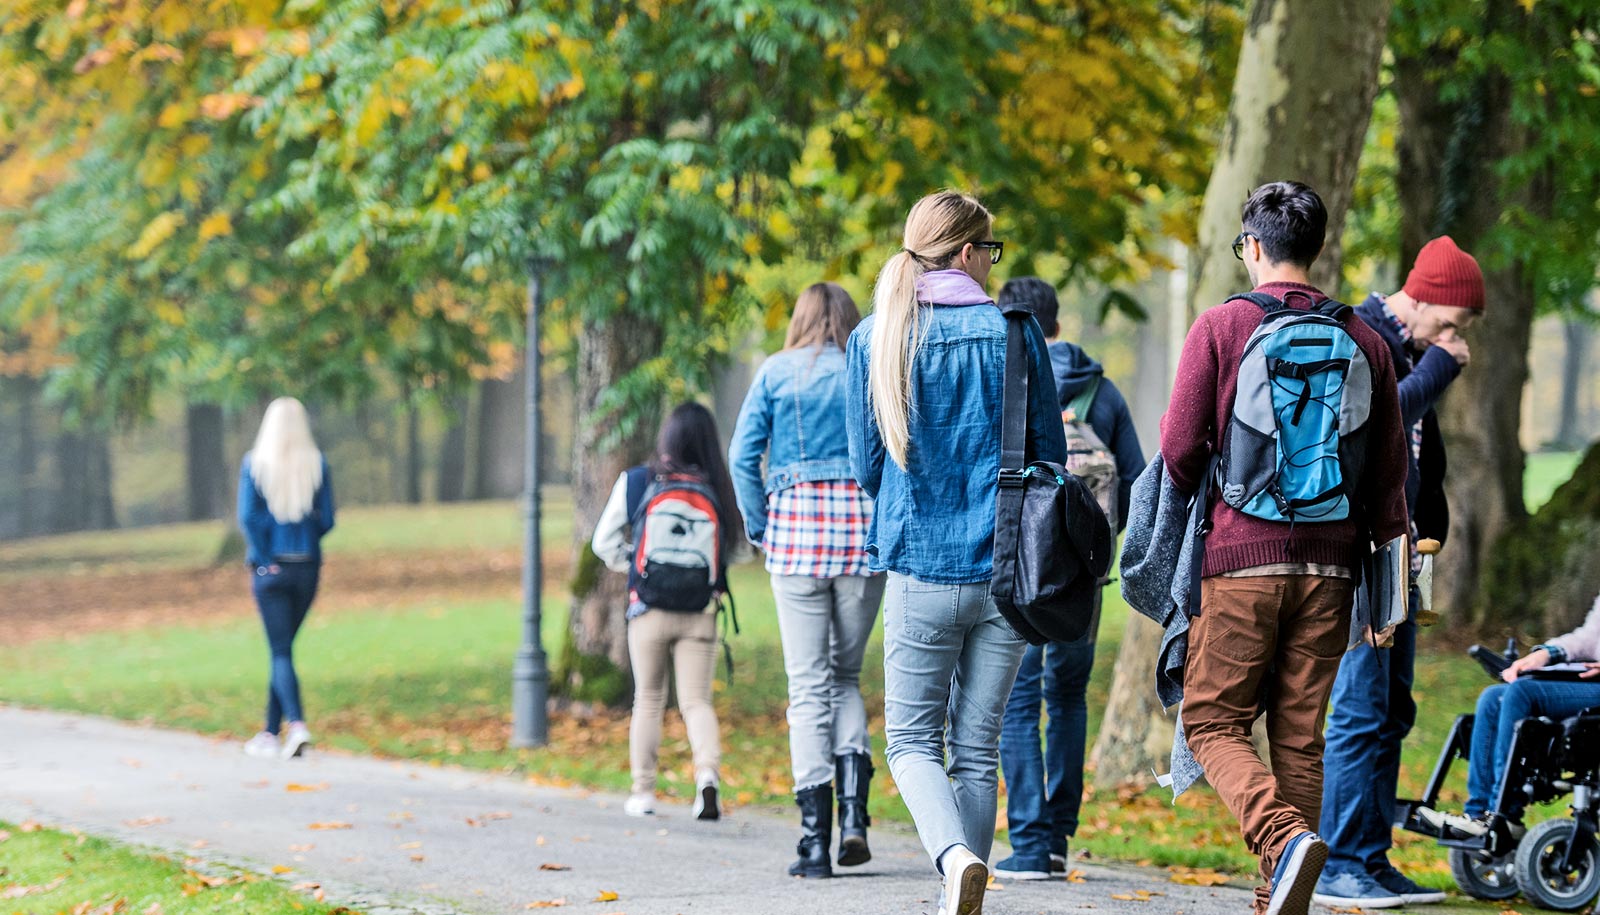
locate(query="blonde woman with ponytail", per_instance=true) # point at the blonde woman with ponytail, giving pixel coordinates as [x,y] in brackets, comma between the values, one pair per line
[285,508]
[926,374]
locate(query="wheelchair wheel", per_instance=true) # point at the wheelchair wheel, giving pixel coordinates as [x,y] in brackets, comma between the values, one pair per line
[1482,876]
[1540,875]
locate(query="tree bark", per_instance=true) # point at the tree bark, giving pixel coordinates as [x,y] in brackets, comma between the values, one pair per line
[1450,147]
[452,483]
[1576,336]
[501,418]
[83,480]
[28,515]
[1135,735]
[207,463]
[1302,99]
[413,453]
[596,653]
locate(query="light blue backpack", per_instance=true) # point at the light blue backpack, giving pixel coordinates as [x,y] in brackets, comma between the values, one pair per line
[1295,447]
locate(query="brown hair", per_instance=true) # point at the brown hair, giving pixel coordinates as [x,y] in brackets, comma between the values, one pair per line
[824,313]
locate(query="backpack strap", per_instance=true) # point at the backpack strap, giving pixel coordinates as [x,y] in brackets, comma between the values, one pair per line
[1333,308]
[638,482]
[1266,303]
[1081,404]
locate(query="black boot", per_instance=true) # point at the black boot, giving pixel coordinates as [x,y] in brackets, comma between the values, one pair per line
[816,830]
[854,772]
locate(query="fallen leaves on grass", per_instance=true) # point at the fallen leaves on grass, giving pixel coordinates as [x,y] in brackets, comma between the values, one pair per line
[331,824]
[280,869]
[547,903]
[29,826]
[4,835]
[147,821]
[106,906]
[1197,876]
[297,788]
[606,896]
[155,909]
[18,890]
[549,866]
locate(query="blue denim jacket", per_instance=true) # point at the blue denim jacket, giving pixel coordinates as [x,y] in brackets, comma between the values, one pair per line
[934,519]
[267,539]
[794,414]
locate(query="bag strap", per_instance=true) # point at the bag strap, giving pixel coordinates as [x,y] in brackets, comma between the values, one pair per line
[1266,303]
[1084,402]
[638,482]
[1014,409]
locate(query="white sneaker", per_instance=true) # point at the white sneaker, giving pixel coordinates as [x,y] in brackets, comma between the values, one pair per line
[965,879]
[296,737]
[640,804]
[706,806]
[1465,825]
[263,746]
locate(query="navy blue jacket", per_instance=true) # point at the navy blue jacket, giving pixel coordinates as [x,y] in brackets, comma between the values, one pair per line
[268,540]
[1109,416]
[1422,380]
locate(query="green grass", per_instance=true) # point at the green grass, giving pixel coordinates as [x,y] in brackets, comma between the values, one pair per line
[1545,471]
[49,871]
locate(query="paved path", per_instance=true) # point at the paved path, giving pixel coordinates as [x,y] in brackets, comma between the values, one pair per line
[436,840]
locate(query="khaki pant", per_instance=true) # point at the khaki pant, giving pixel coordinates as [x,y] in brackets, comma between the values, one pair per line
[1269,643]
[689,641]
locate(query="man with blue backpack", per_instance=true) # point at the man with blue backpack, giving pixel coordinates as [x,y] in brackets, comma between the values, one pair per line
[1372,706]
[1285,411]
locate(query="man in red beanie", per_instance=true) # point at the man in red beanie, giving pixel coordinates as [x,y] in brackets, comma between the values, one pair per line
[1372,705]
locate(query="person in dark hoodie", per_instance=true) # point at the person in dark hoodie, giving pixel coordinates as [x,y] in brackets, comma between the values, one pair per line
[1372,705]
[1044,791]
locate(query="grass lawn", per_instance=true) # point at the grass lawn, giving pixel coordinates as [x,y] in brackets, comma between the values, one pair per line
[431,680]
[48,871]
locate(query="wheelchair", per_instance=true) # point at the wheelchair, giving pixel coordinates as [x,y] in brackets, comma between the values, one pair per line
[1555,864]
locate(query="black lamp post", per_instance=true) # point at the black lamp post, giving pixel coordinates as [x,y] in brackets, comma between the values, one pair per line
[530,674]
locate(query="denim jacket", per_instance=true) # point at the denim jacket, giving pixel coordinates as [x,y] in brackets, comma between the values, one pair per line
[267,539]
[794,414]
[934,519]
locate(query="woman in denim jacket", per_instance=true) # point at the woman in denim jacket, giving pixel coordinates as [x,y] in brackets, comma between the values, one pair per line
[810,518]
[926,376]
[285,508]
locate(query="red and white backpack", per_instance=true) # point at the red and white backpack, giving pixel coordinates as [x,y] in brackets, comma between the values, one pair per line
[677,534]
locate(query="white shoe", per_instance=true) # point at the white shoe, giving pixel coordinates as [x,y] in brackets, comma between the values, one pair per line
[1463,825]
[296,737]
[965,879]
[706,806]
[262,746]
[640,804]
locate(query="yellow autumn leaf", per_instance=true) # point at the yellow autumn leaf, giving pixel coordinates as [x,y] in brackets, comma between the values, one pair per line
[155,233]
[1197,876]
[606,896]
[293,787]
[546,903]
[331,824]
[215,226]
[280,869]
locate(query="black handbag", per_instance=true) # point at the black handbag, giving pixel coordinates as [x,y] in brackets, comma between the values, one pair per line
[1052,544]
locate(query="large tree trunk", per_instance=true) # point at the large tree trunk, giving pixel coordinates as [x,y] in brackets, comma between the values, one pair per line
[1135,735]
[83,478]
[1575,332]
[501,420]
[413,453]
[207,462]
[1450,184]
[1302,98]
[596,653]
[451,485]
[29,517]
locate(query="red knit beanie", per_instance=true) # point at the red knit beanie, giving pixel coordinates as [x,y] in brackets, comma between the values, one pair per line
[1445,275]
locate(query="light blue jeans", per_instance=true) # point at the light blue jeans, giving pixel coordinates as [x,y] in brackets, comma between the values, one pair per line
[948,659]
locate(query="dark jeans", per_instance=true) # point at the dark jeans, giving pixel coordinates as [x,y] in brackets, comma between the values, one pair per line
[283,599]
[1499,709]
[1373,711]
[1044,791]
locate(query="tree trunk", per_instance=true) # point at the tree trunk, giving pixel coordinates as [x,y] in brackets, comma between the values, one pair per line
[451,485]
[596,652]
[29,517]
[413,453]
[1135,735]
[1302,99]
[207,462]
[1450,149]
[83,479]
[501,419]
[1576,334]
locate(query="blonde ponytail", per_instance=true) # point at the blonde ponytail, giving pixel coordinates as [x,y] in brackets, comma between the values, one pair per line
[937,228]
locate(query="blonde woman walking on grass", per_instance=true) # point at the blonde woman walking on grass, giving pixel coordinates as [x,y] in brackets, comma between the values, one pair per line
[925,384]
[285,508]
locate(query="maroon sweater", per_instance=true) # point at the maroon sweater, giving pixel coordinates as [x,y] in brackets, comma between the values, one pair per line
[1201,407]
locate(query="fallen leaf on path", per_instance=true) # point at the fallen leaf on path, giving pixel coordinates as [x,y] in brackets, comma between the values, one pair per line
[410,845]
[17,891]
[318,894]
[995,884]
[547,903]
[487,818]
[1075,876]
[1197,876]
[147,821]
[280,869]
[331,824]
[305,846]
[257,784]
[418,858]
[199,843]
[547,866]
[29,826]
[131,763]
[540,841]
[307,885]
[299,788]
[606,896]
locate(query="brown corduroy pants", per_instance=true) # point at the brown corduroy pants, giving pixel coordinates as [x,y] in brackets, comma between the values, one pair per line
[1269,644]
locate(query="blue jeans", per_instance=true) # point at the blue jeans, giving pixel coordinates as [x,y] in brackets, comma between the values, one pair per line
[1373,711]
[283,600]
[1044,791]
[948,659]
[1499,709]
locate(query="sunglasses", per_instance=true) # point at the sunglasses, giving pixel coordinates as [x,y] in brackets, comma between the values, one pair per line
[995,248]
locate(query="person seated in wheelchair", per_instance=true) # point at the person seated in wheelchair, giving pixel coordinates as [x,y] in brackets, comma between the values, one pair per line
[1523,695]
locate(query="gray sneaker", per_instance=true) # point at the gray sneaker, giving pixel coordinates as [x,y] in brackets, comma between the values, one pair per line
[1354,891]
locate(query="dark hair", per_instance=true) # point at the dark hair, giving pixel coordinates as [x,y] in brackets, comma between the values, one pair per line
[1289,220]
[1038,297]
[688,443]
[823,314]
